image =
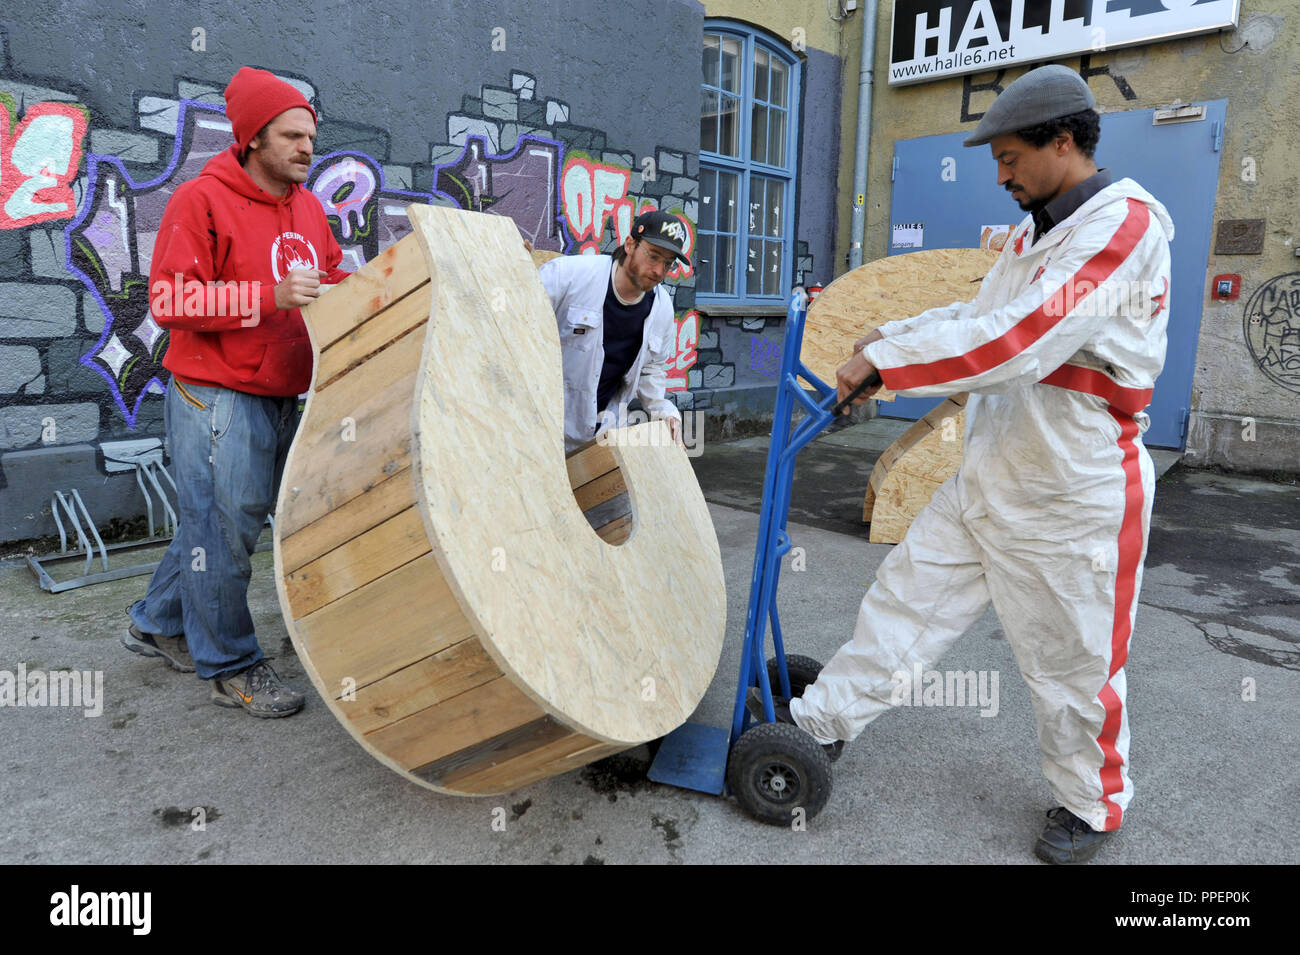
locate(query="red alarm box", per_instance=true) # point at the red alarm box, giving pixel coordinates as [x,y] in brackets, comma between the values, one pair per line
[1225,288]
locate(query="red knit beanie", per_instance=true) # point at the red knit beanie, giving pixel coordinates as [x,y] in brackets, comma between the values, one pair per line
[254,98]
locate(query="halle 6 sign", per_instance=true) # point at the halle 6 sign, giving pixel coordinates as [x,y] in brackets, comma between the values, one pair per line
[934,39]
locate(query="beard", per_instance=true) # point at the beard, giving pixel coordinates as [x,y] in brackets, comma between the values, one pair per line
[1032,206]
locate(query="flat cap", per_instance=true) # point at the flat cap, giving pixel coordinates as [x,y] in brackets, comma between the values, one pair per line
[1048,92]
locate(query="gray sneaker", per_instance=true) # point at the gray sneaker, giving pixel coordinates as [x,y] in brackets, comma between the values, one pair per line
[171,649]
[259,691]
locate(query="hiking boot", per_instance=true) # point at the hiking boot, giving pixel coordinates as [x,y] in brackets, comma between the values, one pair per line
[259,691]
[171,649]
[781,709]
[1068,840]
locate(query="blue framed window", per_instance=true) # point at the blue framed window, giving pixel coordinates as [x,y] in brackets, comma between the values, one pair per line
[745,229]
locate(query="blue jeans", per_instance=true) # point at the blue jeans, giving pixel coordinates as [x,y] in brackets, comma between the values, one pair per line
[227,451]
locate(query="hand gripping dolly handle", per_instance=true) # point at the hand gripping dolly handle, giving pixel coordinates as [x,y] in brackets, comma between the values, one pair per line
[871,381]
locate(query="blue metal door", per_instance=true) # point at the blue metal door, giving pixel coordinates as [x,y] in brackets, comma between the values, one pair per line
[952,191]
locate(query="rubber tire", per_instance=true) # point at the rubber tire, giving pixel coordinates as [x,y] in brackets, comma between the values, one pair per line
[803,673]
[771,750]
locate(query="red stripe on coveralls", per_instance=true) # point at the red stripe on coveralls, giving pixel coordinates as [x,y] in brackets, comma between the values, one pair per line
[1037,323]
[1092,382]
[1130,557]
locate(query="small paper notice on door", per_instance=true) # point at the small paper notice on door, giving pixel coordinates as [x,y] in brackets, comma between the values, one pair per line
[908,235]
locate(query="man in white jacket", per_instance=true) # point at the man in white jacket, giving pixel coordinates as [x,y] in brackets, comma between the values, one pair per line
[1048,516]
[617,330]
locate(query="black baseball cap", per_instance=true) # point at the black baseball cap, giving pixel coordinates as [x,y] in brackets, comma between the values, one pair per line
[663,230]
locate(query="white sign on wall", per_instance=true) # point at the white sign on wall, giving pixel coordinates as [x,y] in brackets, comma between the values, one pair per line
[908,235]
[934,39]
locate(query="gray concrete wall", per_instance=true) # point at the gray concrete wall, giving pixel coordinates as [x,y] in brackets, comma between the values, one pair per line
[521,109]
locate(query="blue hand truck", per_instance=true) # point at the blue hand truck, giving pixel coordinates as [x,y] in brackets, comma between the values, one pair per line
[777,772]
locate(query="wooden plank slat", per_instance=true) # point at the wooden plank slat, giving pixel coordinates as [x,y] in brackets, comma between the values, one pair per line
[397,541]
[560,756]
[615,532]
[589,463]
[604,488]
[388,624]
[464,720]
[403,317]
[425,683]
[510,745]
[376,285]
[370,509]
[334,469]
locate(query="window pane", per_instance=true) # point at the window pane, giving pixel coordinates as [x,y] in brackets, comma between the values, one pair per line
[724,281]
[772,213]
[758,134]
[760,74]
[704,264]
[754,267]
[729,126]
[780,80]
[709,122]
[708,200]
[730,64]
[772,269]
[757,188]
[727,197]
[776,137]
[711,64]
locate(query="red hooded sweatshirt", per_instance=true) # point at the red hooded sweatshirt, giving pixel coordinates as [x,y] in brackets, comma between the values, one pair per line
[222,228]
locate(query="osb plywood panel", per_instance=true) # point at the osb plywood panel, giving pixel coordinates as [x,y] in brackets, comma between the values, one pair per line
[886,290]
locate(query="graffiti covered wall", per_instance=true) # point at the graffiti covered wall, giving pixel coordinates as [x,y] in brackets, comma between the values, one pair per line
[569,123]
[76,296]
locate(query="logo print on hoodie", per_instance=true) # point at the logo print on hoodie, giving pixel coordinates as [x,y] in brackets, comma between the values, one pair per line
[291,251]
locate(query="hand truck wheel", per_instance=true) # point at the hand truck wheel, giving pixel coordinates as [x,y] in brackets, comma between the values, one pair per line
[776,770]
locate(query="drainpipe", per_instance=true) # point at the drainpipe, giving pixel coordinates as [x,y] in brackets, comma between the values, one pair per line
[859,224]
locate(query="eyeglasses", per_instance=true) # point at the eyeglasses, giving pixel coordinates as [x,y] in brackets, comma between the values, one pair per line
[667,261]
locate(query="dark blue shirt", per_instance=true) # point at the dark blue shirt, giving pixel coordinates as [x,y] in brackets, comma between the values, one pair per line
[624,328]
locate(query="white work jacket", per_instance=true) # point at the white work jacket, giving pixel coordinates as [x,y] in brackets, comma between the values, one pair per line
[576,285]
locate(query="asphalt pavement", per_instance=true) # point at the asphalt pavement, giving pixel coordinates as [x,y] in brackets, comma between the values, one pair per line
[161,775]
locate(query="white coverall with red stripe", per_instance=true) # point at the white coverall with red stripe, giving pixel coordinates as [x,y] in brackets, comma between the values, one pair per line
[1048,515]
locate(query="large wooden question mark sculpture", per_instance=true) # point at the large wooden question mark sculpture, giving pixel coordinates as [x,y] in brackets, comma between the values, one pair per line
[443,587]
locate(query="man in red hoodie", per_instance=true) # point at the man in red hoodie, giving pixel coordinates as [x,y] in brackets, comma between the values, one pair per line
[239,251]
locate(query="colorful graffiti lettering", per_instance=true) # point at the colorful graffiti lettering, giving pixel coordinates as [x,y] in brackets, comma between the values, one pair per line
[39,158]
[594,193]
[344,188]
[688,336]
[364,214]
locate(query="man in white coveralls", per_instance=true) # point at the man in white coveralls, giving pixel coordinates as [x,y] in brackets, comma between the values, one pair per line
[1049,513]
